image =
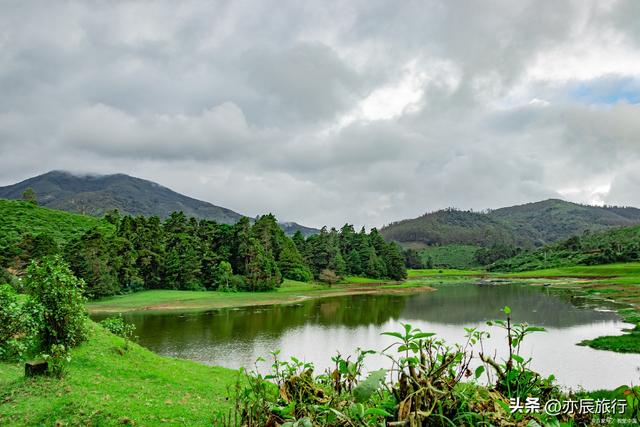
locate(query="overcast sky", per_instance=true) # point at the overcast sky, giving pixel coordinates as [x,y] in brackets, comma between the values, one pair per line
[325,112]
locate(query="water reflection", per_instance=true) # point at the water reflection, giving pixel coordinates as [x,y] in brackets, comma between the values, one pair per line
[315,329]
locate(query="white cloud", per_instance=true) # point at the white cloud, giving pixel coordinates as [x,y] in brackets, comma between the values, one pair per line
[326,112]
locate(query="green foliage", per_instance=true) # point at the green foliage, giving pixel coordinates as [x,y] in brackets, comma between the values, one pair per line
[425,386]
[124,254]
[514,377]
[365,389]
[328,276]
[58,358]
[59,294]
[449,256]
[18,218]
[29,196]
[18,328]
[605,247]
[117,326]
[529,225]
[224,276]
[495,252]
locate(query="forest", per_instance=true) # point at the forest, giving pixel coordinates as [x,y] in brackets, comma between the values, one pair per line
[186,253]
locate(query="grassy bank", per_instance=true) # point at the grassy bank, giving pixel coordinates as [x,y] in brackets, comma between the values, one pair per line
[618,283]
[289,292]
[106,385]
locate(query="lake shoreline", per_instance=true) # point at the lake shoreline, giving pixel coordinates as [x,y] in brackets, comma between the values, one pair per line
[200,301]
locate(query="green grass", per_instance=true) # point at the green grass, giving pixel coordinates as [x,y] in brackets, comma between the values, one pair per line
[441,272]
[290,291]
[108,386]
[451,256]
[627,343]
[614,282]
[361,280]
[629,270]
[18,217]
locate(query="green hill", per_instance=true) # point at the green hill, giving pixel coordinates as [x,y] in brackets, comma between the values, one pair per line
[603,247]
[553,220]
[529,225]
[450,226]
[97,194]
[18,218]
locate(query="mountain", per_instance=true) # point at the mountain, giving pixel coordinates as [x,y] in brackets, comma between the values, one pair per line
[617,245]
[97,194]
[528,225]
[553,220]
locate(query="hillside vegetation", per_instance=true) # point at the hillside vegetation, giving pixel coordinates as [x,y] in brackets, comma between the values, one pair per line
[98,194]
[450,256]
[604,247]
[529,225]
[127,254]
[18,219]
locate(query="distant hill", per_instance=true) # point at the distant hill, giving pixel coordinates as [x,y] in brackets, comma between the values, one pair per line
[621,244]
[96,194]
[529,225]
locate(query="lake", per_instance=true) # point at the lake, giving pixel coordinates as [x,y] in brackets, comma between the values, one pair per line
[315,330]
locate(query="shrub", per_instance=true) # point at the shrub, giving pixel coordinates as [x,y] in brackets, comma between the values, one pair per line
[57,357]
[117,326]
[17,327]
[59,294]
[300,274]
[238,282]
[328,276]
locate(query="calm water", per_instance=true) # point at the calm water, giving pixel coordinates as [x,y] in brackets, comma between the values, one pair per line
[316,329]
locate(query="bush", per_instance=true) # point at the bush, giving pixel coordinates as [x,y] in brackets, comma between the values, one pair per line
[300,274]
[117,326]
[328,276]
[58,292]
[238,282]
[17,327]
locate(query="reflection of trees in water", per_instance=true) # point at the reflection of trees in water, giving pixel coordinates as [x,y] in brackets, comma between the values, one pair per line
[467,304]
[451,304]
[245,324]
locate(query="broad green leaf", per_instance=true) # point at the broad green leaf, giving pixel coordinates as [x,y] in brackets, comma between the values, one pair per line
[363,391]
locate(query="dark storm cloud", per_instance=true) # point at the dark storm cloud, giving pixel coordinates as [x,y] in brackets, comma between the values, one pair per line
[326,112]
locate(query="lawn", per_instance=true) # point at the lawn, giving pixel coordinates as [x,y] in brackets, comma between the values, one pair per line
[106,385]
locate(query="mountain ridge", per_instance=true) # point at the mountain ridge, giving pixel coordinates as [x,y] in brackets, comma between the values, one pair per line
[527,225]
[96,194]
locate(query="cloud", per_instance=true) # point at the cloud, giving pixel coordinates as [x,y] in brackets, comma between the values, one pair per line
[328,112]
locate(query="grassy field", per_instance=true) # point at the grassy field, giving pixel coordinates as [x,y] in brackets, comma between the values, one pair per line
[290,291]
[106,386]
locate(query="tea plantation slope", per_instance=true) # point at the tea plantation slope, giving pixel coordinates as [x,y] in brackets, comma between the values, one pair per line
[18,218]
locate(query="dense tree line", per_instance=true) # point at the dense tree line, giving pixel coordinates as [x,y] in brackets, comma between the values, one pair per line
[191,254]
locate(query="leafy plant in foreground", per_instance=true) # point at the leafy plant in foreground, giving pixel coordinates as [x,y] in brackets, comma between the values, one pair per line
[117,326]
[514,376]
[18,325]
